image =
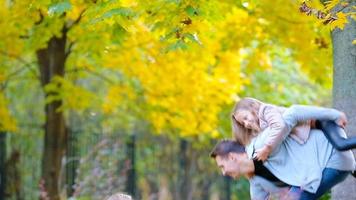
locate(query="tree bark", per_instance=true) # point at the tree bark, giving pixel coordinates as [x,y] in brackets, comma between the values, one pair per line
[52,63]
[131,174]
[2,165]
[206,184]
[73,151]
[227,188]
[72,163]
[344,90]
[13,187]
[184,185]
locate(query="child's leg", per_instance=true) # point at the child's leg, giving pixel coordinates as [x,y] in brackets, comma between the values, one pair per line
[334,134]
[330,178]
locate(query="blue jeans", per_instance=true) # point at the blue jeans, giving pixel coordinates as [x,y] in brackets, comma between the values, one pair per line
[330,178]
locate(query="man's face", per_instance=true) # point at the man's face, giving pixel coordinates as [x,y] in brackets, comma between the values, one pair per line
[229,165]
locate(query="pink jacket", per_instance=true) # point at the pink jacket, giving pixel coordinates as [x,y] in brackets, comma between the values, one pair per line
[271,116]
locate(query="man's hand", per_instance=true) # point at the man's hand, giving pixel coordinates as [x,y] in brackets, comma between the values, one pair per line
[342,121]
[263,153]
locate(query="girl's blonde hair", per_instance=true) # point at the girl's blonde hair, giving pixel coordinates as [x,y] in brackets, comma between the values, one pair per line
[240,133]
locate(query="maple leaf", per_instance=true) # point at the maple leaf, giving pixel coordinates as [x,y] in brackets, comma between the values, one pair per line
[339,22]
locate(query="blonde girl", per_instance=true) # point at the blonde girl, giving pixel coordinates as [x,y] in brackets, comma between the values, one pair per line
[251,116]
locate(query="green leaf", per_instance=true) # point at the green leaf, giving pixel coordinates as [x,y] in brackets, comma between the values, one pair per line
[119,30]
[119,33]
[59,8]
[178,45]
[124,12]
[191,11]
[192,38]
[170,34]
[52,98]
[51,88]
[173,1]
[157,25]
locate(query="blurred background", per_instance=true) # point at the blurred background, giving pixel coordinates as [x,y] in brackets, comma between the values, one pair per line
[106,96]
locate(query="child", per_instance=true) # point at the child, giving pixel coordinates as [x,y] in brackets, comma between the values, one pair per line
[251,116]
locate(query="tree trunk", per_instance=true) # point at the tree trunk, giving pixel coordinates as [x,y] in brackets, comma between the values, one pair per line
[73,151]
[206,184]
[184,178]
[227,188]
[344,91]
[13,187]
[72,161]
[51,63]
[2,165]
[131,176]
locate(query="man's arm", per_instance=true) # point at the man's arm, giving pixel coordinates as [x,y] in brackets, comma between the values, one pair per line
[262,189]
[257,191]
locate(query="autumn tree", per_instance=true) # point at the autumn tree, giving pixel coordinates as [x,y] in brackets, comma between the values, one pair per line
[175,64]
[344,92]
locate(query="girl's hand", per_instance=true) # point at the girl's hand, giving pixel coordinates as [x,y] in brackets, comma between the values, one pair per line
[312,123]
[342,121]
[263,153]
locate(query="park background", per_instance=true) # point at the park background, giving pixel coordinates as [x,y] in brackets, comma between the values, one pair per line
[105,96]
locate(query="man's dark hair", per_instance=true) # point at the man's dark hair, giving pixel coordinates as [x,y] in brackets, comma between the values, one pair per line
[224,147]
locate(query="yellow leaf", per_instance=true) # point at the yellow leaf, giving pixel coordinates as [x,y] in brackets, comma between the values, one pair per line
[215,134]
[353,17]
[331,4]
[344,4]
[340,22]
[2,77]
[8,123]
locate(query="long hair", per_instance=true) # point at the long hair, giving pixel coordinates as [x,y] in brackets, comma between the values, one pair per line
[240,133]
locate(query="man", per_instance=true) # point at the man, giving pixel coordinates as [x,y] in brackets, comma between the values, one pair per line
[233,161]
[315,167]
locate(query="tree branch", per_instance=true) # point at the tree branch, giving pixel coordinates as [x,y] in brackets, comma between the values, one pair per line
[21,60]
[69,49]
[101,76]
[41,18]
[75,22]
[290,21]
[31,125]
